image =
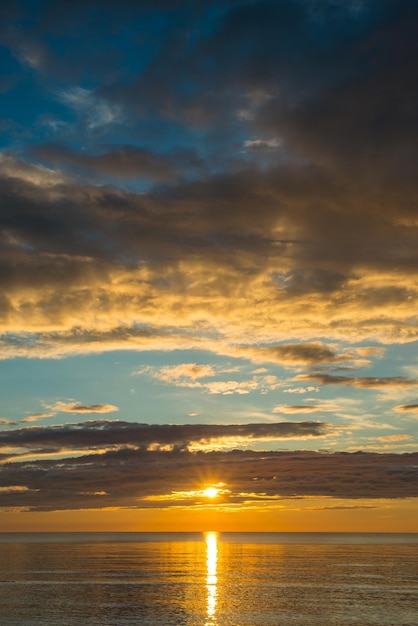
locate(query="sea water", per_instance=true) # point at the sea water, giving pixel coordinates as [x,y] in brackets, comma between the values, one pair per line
[208,579]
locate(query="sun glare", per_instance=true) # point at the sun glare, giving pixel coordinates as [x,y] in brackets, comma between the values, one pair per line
[211,577]
[211,492]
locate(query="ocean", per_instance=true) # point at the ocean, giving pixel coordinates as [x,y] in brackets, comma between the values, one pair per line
[208,579]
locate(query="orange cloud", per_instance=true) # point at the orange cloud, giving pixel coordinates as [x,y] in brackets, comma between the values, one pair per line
[405,408]
[76,407]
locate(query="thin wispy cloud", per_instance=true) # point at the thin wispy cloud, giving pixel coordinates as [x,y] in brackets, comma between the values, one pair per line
[193,376]
[36,417]
[97,111]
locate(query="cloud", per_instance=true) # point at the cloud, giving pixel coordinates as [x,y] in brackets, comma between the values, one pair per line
[177,263]
[301,408]
[96,434]
[403,408]
[5,422]
[192,262]
[303,353]
[361,382]
[300,390]
[117,161]
[399,437]
[189,375]
[97,111]
[184,371]
[37,416]
[227,387]
[122,465]
[76,407]
[12,168]
[340,507]
[13,489]
[262,145]
[75,341]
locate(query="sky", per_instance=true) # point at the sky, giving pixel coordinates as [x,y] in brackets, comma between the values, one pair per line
[209,260]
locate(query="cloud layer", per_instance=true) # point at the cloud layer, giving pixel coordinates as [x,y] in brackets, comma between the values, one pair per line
[297,220]
[130,465]
[96,434]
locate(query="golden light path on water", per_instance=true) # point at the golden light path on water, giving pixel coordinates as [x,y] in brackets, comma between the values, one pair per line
[211,577]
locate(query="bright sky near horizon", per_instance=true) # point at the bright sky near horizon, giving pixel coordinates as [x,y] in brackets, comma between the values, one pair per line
[209,254]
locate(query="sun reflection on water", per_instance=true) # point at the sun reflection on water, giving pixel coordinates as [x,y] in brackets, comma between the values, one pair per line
[211,576]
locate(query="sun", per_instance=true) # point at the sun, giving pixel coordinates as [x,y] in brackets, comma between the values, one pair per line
[211,492]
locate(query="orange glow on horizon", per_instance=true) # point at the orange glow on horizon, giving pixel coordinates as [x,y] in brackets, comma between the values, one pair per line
[307,515]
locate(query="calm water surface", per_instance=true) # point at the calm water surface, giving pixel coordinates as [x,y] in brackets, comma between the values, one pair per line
[212,579]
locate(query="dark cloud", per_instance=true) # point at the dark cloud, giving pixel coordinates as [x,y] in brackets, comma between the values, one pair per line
[96,434]
[117,162]
[300,408]
[144,478]
[361,382]
[211,220]
[308,353]
[349,106]
[271,152]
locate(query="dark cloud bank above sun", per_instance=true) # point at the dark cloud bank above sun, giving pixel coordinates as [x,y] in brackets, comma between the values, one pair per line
[183,163]
[104,464]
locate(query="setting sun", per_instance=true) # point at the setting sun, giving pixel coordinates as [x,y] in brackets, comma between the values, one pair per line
[211,492]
